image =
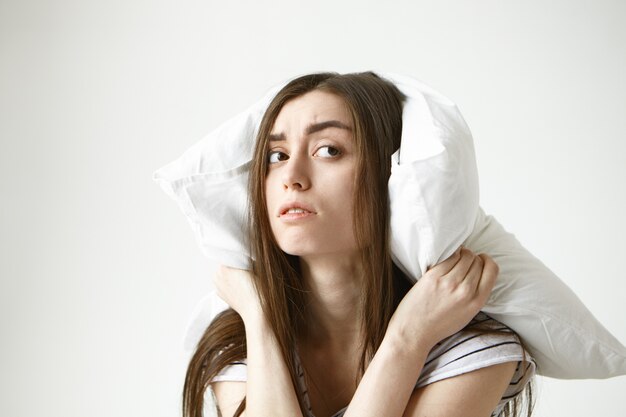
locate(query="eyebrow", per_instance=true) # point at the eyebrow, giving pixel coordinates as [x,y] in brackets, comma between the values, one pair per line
[313,128]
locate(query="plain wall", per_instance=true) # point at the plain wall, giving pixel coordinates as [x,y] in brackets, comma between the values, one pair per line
[99,269]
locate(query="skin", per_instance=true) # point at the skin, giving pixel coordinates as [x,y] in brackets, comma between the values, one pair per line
[316,170]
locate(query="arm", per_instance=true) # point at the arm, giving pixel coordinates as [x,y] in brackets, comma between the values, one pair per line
[268,390]
[394,371]
[474,394]
[445,299]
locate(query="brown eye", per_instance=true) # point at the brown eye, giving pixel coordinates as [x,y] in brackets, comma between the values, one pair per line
[327,152]
[276,156]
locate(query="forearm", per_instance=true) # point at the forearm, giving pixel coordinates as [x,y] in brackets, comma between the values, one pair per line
[269,388]
[389,380]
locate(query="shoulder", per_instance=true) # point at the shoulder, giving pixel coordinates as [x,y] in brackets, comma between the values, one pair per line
[228,396]
[485,357]
[229,387]
[475,393]
[483,342]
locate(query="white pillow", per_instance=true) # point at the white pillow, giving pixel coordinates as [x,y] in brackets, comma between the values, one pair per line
[434,209]
[209,182]
[562,335]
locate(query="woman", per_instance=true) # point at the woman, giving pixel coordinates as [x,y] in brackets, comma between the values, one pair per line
[326,324]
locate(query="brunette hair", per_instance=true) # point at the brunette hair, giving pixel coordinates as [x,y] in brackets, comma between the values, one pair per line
[375,105]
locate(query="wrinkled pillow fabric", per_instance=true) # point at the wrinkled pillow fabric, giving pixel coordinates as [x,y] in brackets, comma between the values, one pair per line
[433,187]
[561,334]
[434,201]
[209,182]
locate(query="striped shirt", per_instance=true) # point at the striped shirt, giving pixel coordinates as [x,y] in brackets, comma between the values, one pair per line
[465,351]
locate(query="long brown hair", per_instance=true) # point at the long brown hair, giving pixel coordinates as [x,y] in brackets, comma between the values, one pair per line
[375,105]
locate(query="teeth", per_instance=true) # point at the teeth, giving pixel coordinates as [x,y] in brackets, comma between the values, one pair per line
[296,210]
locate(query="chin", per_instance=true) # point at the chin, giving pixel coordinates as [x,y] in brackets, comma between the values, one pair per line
[297,250]
[298,244]
[311,251]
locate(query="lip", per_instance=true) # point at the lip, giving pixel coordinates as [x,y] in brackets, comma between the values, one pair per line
[308,210]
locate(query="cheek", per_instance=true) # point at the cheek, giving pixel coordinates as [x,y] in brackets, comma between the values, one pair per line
[348,188]
[342,192]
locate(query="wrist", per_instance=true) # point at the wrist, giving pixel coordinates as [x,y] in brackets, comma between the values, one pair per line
[256,324]
[406,340]
[252,315]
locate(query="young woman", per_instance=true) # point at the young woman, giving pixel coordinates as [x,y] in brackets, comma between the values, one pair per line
[326,324]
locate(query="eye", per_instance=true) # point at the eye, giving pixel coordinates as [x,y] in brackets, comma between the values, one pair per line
[276,156]
[327,152]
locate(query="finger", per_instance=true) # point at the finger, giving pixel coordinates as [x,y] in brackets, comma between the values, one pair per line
[488,277]
[474,274]
[445,266]
[459,272]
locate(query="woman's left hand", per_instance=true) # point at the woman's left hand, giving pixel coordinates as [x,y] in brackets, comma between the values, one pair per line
[444,299]
[235,286]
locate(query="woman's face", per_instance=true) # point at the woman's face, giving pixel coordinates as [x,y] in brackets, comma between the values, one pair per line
[310,179]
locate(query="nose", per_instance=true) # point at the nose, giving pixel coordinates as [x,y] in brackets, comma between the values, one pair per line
[296,174]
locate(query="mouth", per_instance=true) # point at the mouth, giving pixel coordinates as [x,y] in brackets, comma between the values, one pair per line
[295,210]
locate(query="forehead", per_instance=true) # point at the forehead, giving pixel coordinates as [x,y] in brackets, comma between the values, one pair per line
[312,107]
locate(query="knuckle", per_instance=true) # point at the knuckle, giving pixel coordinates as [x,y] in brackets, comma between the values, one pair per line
[465,293]
[462,296]
[445,285]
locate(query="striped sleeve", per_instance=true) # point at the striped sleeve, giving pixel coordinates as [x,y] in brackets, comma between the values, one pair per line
[470,349]
[474,348]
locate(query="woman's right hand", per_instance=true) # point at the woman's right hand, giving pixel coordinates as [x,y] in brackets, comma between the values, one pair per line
[444,299]
[236,288]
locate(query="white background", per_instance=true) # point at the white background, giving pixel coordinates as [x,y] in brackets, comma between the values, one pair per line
[99,268]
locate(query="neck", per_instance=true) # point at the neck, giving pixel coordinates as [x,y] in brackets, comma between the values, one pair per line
[335,284]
